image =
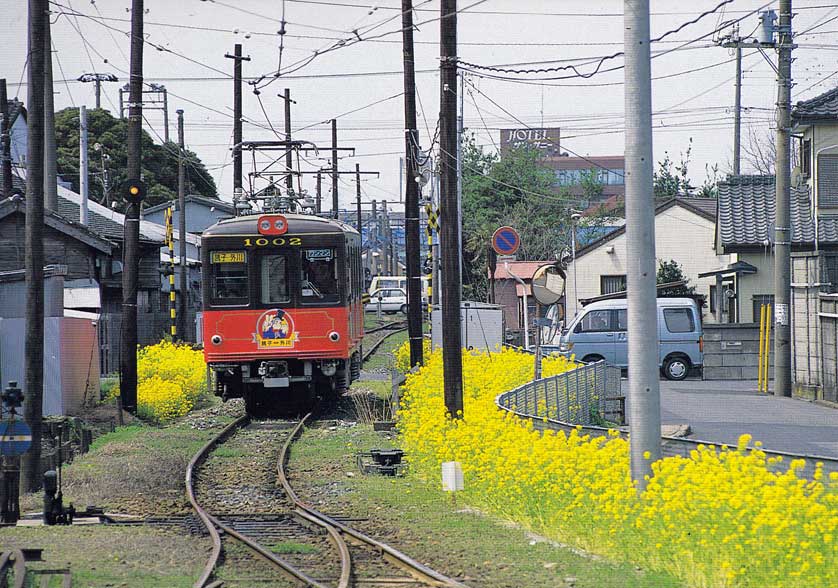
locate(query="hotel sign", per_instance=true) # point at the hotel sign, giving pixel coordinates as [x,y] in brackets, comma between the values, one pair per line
[544,140]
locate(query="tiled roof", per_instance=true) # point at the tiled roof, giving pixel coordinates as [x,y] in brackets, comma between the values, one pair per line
[15,107]
[823,107]
[706,205]
[222,205]
[522,269]
[747,207]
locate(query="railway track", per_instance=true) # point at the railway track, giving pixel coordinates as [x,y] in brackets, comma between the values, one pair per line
[288,520]
[388,331]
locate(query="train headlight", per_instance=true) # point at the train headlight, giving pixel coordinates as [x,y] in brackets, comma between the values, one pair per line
[216,339]
[334,336]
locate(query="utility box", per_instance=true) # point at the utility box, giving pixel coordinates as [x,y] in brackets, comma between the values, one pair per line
[481,326]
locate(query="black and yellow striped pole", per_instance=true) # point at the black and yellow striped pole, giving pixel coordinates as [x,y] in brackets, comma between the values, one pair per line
[170,242]
[433,225]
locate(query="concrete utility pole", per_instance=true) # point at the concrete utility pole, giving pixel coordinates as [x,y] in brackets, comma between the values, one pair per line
[181,205]
[644,386]
[30,479]
[335,174]
[289,161]
[84,185]
[50,165]
[318,202]
[165,113]
[237,117]
[131,241]
[5,143]
[734,41]
[782,223]
[97,79]
[449,214]
[359,222]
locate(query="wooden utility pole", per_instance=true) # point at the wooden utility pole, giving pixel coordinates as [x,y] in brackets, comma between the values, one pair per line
[237,117]
[181,205]
[411,202]
[50,164]
[318,202]
[131,241]
[782,223]
[289,161]
[449,233]
[30,479]
[5,144]
[335,174]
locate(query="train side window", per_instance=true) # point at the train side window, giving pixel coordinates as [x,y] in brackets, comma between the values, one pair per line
[319,276]
[229,277]
[273,270]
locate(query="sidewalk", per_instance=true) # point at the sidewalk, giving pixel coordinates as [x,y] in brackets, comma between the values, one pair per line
[720,411]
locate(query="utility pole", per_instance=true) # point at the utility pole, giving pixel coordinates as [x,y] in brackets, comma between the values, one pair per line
[289,161]
[335,175]
[644,386]
[736,42]
[83,165]
[373,238]
[460,110]
[5,143]
[449,214]
[782,224]
[131,241]
[165,113]
[385,258]
[34,246]
[181,205]
[359,221]
[50,165]
[237,117]
[318,202]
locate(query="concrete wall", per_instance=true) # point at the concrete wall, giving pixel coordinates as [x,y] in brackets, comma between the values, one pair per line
[829,346]
[731,352]
[805,327]
[680,234]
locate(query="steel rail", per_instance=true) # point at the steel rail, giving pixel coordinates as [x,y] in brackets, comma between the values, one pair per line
[212,523]
[418,570]
[371,351]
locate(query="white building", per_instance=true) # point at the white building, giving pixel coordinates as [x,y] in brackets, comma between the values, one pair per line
[685,231]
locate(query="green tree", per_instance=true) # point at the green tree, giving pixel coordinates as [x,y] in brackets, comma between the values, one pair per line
[669,272]
[513,190]
[108,163]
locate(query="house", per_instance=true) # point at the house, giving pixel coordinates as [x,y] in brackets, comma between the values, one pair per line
[684,232]
[201,212]
[18,135]
[508,293]
[608,171]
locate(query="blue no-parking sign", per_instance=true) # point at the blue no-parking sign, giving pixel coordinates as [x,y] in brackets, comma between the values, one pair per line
[15,438]
[506,241]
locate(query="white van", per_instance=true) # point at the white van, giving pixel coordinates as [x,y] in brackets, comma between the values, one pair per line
[600,332]
[387,282]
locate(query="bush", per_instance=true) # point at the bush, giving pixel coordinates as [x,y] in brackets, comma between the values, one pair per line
[170,380]
[715,519]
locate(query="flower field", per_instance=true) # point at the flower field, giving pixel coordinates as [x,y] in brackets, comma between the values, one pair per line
[170,379]
[715,519]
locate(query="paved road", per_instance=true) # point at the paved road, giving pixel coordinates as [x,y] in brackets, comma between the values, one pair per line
[721,411]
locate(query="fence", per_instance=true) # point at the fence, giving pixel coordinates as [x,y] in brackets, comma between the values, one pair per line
[588,395]
[573,400]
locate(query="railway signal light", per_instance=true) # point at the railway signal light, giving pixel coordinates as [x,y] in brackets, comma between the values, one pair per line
[134,191]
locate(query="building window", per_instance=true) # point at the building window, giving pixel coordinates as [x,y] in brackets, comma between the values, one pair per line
[828,180]
[574,177]
[759,300]
[806,157]
[612,284]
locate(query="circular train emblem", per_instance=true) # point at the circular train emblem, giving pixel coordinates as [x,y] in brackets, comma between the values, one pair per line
[275,328]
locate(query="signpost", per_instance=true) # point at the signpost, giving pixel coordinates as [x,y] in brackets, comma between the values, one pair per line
[15,438]
[506,241]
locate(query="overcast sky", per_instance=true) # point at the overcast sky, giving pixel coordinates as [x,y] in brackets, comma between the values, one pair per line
[692,97]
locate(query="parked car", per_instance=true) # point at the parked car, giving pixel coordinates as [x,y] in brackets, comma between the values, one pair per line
[391,300]
[600,332]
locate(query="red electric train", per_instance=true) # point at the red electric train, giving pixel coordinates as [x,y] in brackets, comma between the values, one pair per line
[283,318]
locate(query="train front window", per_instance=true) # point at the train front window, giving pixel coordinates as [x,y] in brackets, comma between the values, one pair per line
[229,277]
[274,272]
[319,276]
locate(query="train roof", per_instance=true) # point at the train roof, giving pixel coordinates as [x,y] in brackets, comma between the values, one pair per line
[297,224]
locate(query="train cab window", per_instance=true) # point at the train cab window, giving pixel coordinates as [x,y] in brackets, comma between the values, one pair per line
[273,270]
[319,276]
[229,277]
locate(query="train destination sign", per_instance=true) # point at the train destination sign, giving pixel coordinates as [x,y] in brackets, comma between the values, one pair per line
[15,438]
[228,257]
[506,241]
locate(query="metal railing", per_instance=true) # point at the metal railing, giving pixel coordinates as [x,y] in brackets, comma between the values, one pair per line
[588,395]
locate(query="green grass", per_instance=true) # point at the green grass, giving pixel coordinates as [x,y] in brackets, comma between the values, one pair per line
[381,388]
[120,435]
[485,551]
[287,547]
[383,356]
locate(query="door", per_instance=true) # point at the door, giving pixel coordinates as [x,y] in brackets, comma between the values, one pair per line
[594,336]
[679,331]
[621,336]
